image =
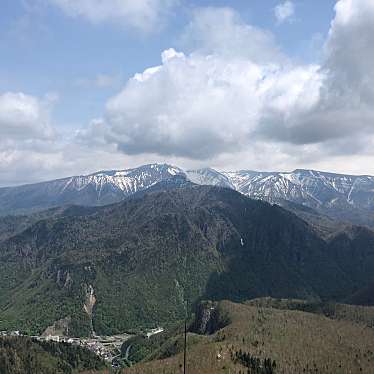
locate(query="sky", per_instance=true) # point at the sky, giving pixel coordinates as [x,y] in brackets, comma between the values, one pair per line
[88,85]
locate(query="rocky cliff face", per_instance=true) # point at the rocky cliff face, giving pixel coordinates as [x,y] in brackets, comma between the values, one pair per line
[89,303]
[90,300]
[59,328]
[209,318]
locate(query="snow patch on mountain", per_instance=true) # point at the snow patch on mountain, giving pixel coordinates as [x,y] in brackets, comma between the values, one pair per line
[311,188]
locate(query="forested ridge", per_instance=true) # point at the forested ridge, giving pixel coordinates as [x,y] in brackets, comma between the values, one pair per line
[21,355]
[143,257]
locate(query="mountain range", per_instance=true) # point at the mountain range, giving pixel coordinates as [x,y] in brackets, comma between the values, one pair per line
[134,263]
[343,197]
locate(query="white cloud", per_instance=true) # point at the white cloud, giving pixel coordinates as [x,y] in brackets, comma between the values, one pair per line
[284,11]
[24,117]
[212,100]
[144,15]
[199,106]
[221,99]
[222,31]
[350,53]
[345,109]
[27,137]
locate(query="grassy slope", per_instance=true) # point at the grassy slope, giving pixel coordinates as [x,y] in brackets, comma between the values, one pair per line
[354,313]
[298,342]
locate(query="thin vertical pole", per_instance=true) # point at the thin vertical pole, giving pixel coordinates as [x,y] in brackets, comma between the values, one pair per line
[185,346]
[185,319]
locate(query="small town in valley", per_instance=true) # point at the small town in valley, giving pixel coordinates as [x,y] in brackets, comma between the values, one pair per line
[107,348]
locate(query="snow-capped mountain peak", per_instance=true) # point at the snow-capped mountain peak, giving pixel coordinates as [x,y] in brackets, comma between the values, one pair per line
[320,190]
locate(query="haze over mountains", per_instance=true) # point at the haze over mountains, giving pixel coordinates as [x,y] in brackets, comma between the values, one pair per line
[344,197]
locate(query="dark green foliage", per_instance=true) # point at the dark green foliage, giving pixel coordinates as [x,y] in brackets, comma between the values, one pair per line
[19,355]
[364,296]
[144,257]
[15,224]
[353,249]
[141,348]
[254,364]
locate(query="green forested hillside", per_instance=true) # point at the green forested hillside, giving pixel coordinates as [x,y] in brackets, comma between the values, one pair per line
[134,263]
[19,355]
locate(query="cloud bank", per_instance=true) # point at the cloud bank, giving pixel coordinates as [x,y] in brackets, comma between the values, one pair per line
[235,91]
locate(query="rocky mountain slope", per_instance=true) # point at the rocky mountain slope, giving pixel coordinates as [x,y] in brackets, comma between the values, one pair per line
[92,190]
[343,197]
[134,263]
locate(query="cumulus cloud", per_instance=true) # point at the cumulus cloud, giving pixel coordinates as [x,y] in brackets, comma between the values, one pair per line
[349,54]
[210,101]
[140,14]
[27,137]
[284,11]
[234,90]
[33,149]
[24,117]
[222,31]
[199,106]
[345,105]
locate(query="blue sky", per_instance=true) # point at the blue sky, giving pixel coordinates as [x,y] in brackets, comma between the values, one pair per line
[243,84]
[44,50]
